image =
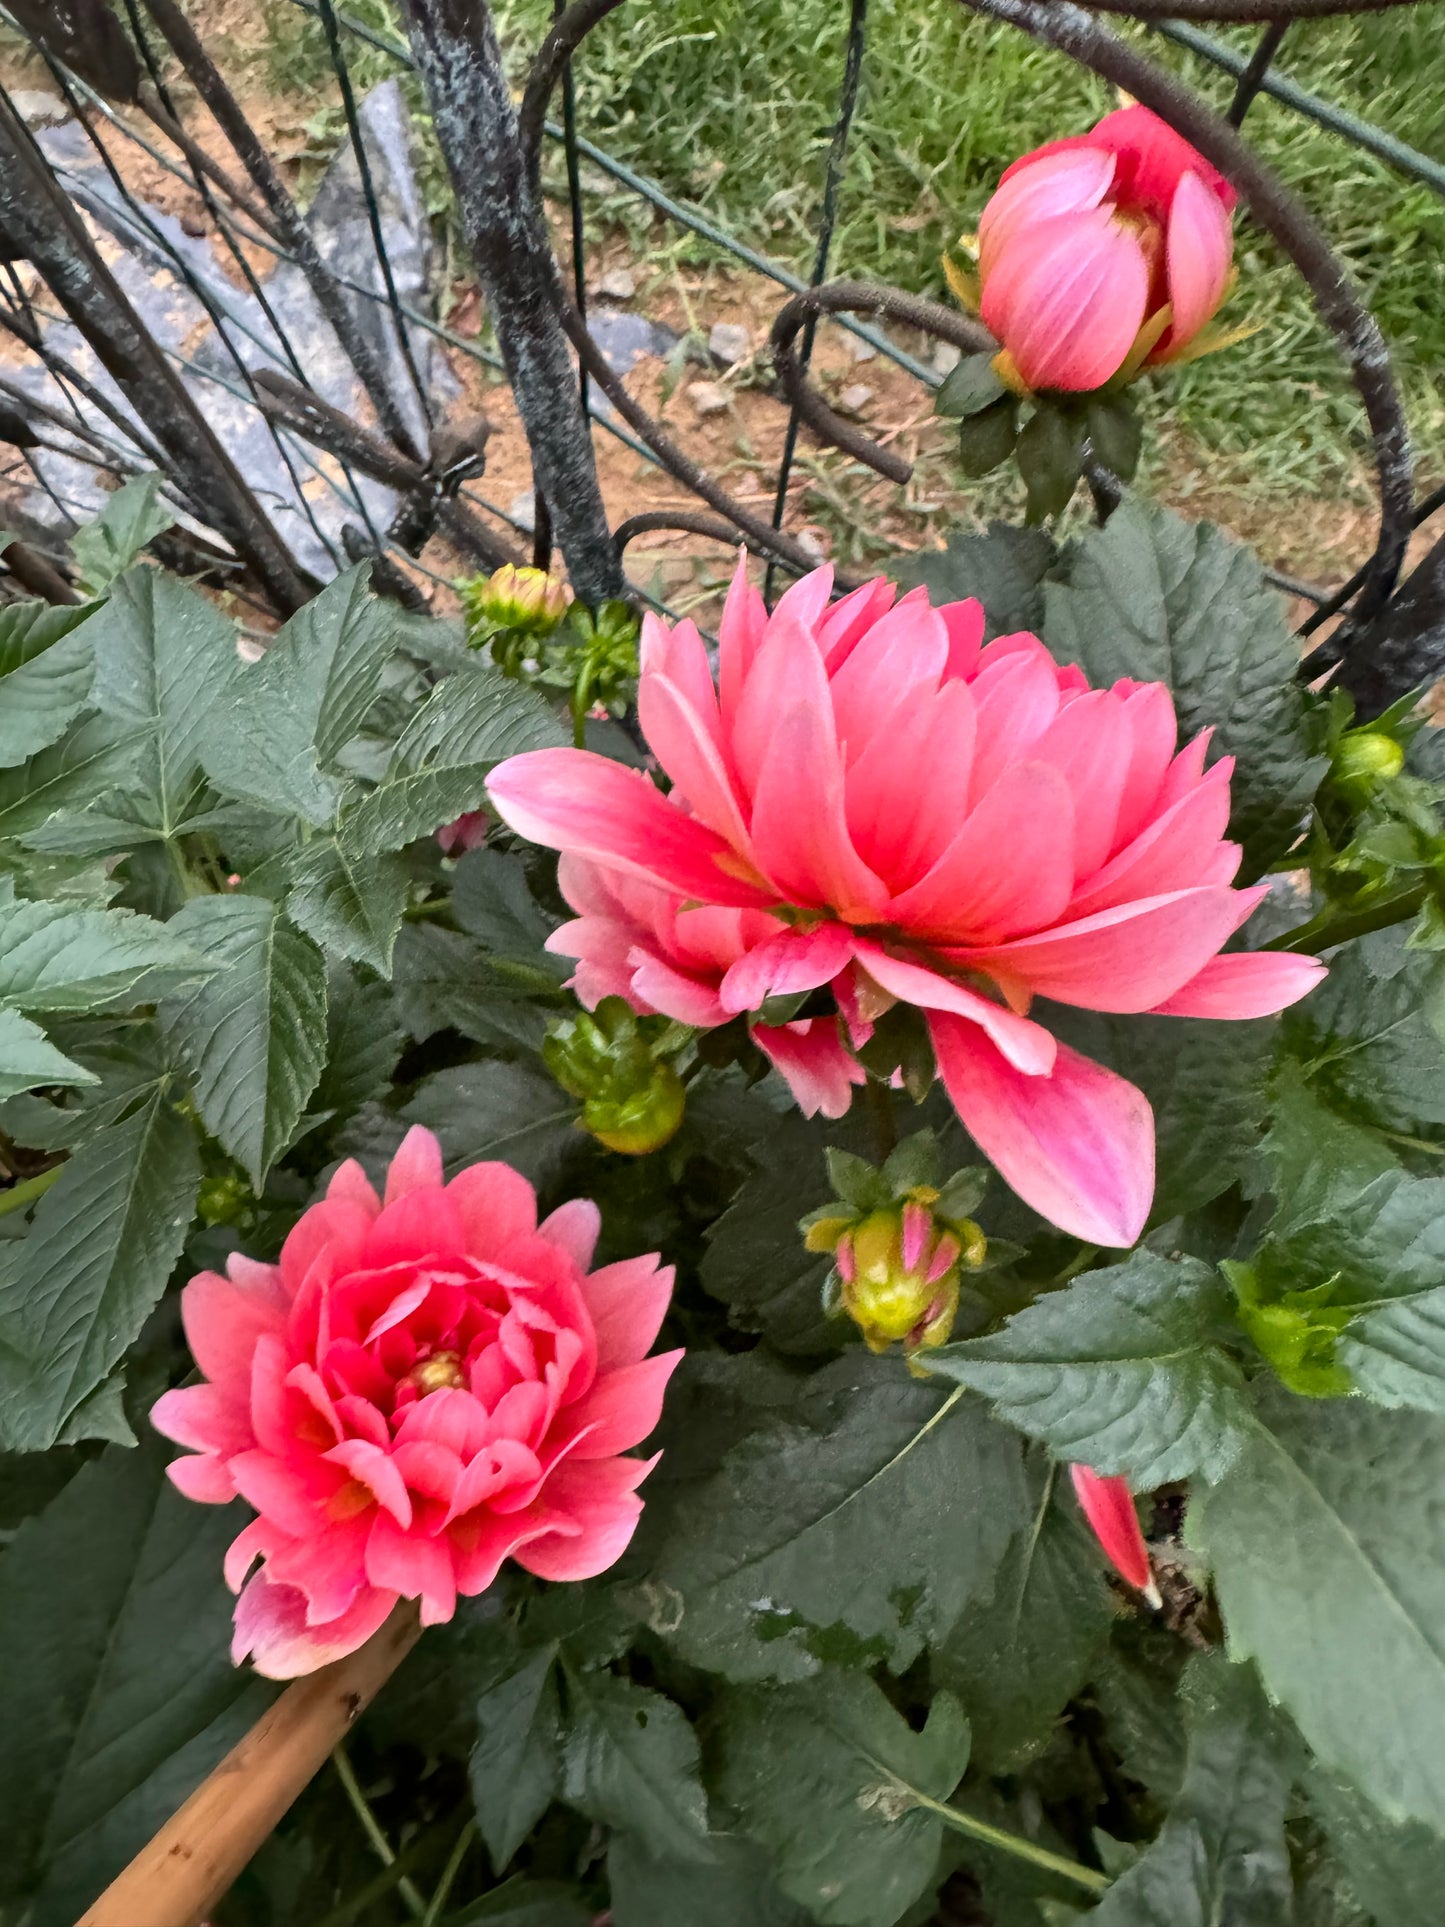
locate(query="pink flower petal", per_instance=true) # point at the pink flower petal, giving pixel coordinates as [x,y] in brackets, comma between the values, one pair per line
[203,1478]
[622,1408]
[1108,1505]
[1126,959]
[1176,851]
[1245,984]
[795,959]
[654,985]
[350,1185]
[800,831]
[602,1510]
[1200,250]
[271,1628]
[964,622]
[901,825]
[820,1070]
[1027,1046]
[570,799]
[1047,185]
[851,617]
[574,1227]
[414,1566]
[416,1166]
[1066,296]
[223,1321]
[692,759]
[1009,869]
[740,636]
[496,1205]
[627,1302]
[1077,1145]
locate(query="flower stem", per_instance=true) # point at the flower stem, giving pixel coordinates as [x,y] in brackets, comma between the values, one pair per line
[1330,926]
[371,1826]
[19,1197]
[1015,1844]
[436,1906]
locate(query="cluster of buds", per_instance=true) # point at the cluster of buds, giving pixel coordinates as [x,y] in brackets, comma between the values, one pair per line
[513,602]
[620,1066]
[900,1244]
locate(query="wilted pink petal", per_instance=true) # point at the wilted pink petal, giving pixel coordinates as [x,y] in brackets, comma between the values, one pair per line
[1108,1505]
[820,1069]
[403,1399]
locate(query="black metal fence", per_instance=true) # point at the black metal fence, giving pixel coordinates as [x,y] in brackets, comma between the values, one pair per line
[283,374]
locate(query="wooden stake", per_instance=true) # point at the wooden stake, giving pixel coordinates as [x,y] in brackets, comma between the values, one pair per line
[185,1869]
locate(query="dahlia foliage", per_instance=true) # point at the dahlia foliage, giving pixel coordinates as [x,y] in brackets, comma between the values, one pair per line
[848,1218]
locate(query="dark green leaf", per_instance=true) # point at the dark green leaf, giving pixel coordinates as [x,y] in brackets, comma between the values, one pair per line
[440,766]
[131,1068]
[834,1782]
[1115,434]
[971,386]
[1050,454]
[491,901]
[53,957]
[516,1764]
[1396,1868]
[107,546]
[1118,1371]
[97,1258]
[1367,1041]
[630,1761]
[254,1035]
[735,1889]
[494,1110]
[126,1696]
[987,438]
[444,980]
[363,1043]
[293,711]
[526,1903]
[1018,1656]
[28,1058]
[349,905]
[101,751]
[1004,569]
[46,669]
[1221,1856]
[1318,1536]
[165,665]
[819,1538]
[1160,599]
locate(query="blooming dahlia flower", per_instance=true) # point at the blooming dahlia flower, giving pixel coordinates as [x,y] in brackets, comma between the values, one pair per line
[1110,249]
[420,1389]
[871,801]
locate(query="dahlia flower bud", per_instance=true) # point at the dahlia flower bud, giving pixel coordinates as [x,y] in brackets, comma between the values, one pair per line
[1365,757]
[423,1387]
[632,1098]
[465,832]
[1100,255]
[1108,1505]
[899,1245]
[526,600]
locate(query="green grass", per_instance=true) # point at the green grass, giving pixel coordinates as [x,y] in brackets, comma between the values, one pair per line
[730,104]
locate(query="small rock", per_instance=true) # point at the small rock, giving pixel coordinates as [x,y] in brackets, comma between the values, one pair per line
[709,397]
[946,358]
[855,399]
[38,107]
[523,510]
[859,349]
[810,545]
[729,342]
[618,284]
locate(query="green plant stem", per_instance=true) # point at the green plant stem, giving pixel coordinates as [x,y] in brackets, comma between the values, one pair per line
[1015,1844]
[20,1196]
[437,1905]
[879,1099]
[385,1853]
[1330,927]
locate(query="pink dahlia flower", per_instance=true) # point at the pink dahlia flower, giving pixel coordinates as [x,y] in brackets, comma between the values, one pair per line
[465,832]
[871,801]
[1108,1505]
[1108,249]
[423,1387]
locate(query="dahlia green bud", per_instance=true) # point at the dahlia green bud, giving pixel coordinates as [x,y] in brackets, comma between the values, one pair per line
[527,601]
[1365,757]
[224,1198]
[900,1250]
[616,1063]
